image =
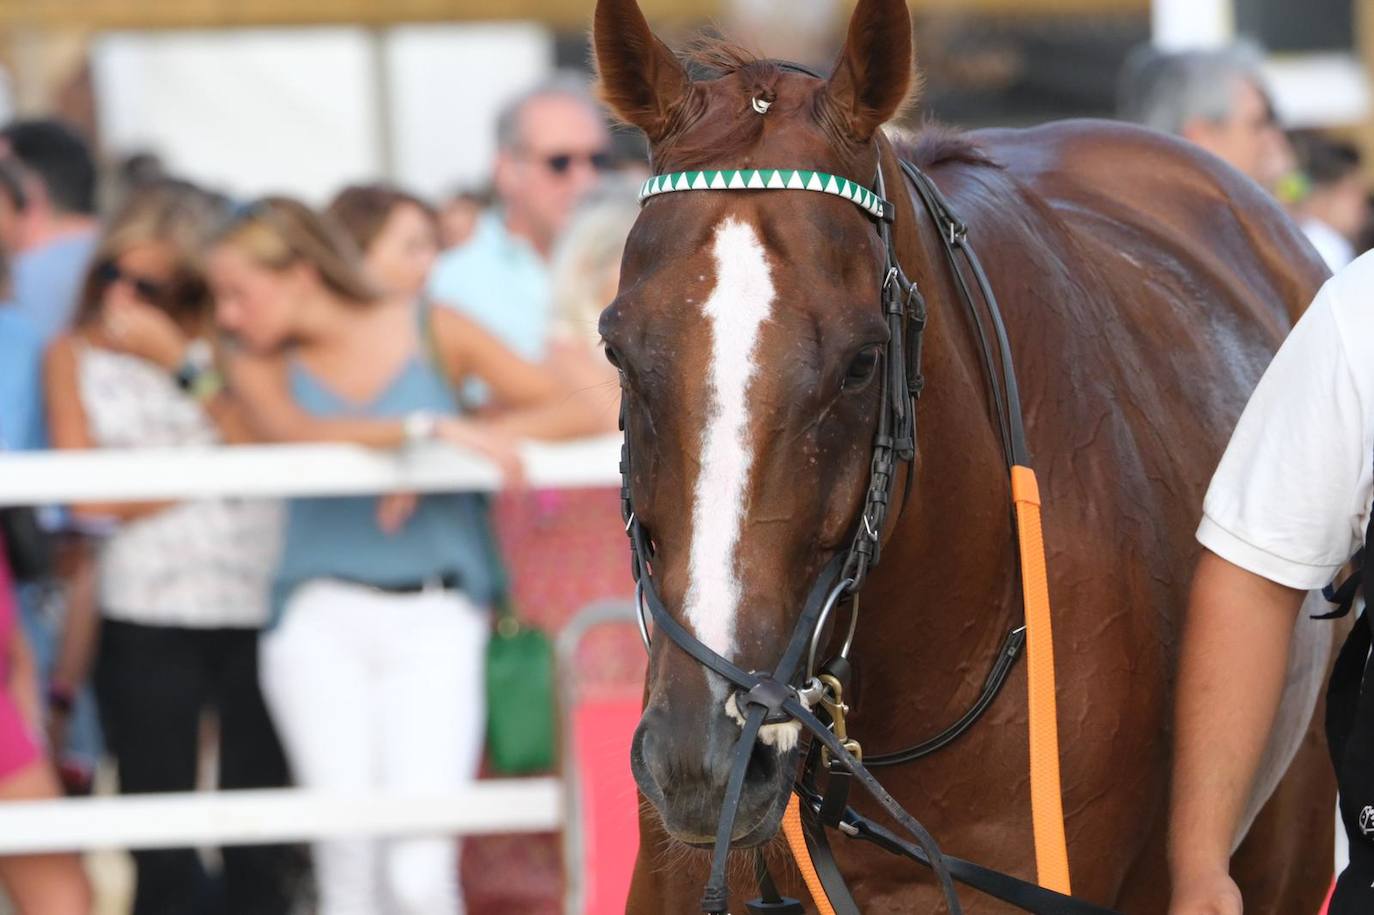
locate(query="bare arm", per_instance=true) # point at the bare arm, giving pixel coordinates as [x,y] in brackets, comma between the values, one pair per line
[68,428]
[80,622]
[23,685]
[149,333]
[1234,659]
[588,406]
[260,385]
[468,349]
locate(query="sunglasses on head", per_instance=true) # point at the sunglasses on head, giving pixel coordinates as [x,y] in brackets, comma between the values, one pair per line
[562,163]
[150,292]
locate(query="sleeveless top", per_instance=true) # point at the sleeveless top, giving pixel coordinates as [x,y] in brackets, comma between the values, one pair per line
[203,563]
[338,537]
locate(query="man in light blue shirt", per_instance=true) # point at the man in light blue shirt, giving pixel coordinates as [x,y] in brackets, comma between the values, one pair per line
[552,144]
[57,225]
[21,391]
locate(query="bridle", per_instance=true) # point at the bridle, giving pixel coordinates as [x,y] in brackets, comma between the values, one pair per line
[803,693]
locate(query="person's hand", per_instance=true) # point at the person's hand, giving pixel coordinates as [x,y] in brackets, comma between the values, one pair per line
[394,510]
[145,331]
[1206,893]
[492,443]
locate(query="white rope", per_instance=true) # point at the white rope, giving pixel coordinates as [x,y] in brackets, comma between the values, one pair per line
[141,821]
[134,475]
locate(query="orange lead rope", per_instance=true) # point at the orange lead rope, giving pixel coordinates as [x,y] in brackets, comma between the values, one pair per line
[796,842]
[1047,802]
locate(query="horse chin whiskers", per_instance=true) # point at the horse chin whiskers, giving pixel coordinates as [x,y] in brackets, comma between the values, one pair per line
[673,855]
[782,737]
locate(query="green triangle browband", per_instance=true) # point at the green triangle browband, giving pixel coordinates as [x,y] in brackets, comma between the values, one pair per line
[767,179]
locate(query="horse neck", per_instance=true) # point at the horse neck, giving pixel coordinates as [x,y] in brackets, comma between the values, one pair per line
[948,569]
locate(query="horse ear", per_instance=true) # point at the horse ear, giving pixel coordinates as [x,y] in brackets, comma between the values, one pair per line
[641,79]
[876,69]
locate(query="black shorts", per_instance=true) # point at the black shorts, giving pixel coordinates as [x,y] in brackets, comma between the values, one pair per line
[1350,732]
[1355,888]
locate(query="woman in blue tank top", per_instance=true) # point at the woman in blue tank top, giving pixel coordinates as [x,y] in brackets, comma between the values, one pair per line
[373,670]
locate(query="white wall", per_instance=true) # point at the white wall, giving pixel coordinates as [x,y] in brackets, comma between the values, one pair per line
[446,85]
[305,110]
[1310,90]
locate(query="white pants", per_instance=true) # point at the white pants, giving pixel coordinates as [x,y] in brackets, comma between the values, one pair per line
[380,691]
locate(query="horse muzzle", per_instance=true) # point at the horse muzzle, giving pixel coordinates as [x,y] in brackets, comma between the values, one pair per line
[682,766]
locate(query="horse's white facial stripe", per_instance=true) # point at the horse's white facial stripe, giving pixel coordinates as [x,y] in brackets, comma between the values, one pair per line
[740,303]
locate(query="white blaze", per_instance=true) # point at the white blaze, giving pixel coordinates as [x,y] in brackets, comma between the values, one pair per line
[736,310]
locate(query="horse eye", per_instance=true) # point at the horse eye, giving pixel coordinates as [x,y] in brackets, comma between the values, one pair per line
[861,369]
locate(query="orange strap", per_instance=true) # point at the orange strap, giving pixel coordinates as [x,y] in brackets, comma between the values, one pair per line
[796,841]
[1047,803]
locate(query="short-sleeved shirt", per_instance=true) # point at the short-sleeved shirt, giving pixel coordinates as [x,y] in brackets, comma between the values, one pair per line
[1291,498]
[21,391]
[201,564]
[500,281]
[47,280]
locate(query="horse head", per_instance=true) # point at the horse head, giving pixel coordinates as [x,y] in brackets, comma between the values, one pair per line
[749,339]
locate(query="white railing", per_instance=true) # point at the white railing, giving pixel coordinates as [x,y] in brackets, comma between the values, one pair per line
[285,815]
[278,815]
[135,475]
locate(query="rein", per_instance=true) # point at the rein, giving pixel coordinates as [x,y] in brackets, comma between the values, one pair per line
[793,691]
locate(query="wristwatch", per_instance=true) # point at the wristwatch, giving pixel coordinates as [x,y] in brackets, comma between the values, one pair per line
[198,358]
[197,374]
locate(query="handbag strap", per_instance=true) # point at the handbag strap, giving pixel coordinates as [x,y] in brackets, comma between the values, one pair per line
[507,620]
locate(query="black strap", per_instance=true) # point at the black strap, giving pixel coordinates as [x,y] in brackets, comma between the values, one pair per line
[1349,676]
[770,901]
[827,869]
[716,897]
[954,236]
[1023,894]
[1345,687]
[992,686]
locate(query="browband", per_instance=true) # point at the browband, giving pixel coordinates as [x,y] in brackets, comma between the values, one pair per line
[768,179]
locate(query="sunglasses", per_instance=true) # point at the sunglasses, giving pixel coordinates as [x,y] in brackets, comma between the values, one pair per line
[562,163]
[150,292]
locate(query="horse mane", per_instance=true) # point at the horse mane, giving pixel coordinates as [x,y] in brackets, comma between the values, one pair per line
[936,144]
[711,56]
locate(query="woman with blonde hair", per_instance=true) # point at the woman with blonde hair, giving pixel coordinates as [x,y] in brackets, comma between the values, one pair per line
[373,670]
[182,586]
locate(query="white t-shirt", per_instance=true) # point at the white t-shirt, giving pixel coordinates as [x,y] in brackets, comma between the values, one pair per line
[1291,498]
[1334,247]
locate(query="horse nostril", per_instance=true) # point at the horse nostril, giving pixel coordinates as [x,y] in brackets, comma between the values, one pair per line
[763,764]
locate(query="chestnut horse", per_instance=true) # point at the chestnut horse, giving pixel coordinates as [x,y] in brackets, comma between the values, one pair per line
[1145,286]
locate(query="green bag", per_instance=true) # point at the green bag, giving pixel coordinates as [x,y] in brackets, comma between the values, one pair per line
[520,704]
[521,728]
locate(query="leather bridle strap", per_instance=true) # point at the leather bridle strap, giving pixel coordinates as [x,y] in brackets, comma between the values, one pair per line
[771,697]
[992,686]
[1020,893]
[1047,804]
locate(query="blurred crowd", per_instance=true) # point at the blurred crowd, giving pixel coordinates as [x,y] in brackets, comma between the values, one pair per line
[1219,100]
[338,643]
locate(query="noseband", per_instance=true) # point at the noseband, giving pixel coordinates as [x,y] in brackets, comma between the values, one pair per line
[811,696]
